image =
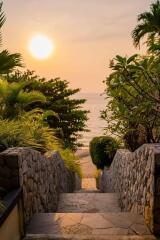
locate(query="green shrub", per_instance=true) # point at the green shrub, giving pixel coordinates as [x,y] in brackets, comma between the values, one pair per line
[97,177]
[134,138]
[28,131]
[71,161]
[102,150]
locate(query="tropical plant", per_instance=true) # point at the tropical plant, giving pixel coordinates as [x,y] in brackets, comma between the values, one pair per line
[8,62]
[133,91]
[148,25]
[27,131]
[71,118]
[102,150]
[71,161]
[14,99]
[2,20]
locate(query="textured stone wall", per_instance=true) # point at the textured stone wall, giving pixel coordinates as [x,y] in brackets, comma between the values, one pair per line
[135,177]
[42,177]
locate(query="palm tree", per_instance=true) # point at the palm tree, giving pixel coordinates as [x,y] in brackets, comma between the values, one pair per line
[2,20]
[14,99]
[8,62]
[149,25]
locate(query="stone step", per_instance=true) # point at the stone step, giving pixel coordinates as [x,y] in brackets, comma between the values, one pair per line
[86,237]
[88,202]
[84,190]
[87,226]
[89,184]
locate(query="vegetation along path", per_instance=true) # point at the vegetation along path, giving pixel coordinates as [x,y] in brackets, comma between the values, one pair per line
[88,214]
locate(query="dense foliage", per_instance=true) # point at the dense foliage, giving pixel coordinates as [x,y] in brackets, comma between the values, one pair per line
[27,131]
[102,150]
[133,89]
[70,118]
[14,99]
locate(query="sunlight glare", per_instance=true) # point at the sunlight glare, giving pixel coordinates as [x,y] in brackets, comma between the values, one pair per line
[41,47]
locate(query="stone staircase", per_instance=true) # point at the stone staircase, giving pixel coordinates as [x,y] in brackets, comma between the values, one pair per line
[88,215]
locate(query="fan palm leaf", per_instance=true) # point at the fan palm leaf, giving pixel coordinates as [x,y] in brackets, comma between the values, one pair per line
[8,62]
[149,24]
[2,20]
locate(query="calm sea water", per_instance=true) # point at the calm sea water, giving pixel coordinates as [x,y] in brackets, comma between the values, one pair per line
[95,103]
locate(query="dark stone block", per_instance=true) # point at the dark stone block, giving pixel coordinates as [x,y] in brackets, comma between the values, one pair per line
[157,186]
[12,161]
[1,171]
[2,160]
[157,158]
[3,192]
[157,216]
[14,182]
[157,170]
[15,173]
[5,172]
[156,229]
[5,183]
[157,202]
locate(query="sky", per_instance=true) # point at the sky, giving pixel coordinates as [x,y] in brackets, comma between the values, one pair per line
[87,35]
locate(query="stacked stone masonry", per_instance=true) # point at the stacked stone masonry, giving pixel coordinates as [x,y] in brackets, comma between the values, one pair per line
[135,177]
[42,178]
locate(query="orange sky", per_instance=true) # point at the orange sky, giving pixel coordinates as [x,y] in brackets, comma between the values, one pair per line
[87,34]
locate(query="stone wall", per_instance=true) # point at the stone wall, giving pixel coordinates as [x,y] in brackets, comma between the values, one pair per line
[135,177]
[42,178]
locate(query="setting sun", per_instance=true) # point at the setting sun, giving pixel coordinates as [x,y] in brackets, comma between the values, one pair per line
[41,47]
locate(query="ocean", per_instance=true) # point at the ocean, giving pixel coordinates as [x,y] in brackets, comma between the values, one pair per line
[95,103]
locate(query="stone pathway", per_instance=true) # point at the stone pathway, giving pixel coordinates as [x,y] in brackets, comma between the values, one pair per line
[88,215]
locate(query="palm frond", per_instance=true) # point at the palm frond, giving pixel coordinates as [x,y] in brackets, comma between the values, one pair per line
[2,20]
[148,24]
[139,32]
[8,62]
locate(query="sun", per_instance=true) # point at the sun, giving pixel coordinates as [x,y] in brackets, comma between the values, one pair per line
[41,47]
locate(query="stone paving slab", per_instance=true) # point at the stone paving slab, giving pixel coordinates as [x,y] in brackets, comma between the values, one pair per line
[88,202]
[88,168]
[89,224]
[89,183]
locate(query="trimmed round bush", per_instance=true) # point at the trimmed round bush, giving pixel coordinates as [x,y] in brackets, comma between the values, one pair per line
[102,150]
